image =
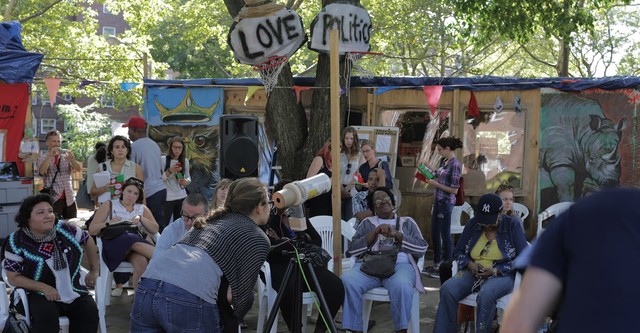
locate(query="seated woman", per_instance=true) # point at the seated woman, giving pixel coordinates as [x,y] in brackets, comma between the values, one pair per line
[128,246]
[379,233]
[280,234]
[44,257]
[489,243]
[229,243]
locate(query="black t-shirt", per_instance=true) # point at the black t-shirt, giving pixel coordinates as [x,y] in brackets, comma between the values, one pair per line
[594,250]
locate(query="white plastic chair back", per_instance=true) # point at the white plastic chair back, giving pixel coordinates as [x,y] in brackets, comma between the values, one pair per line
[324,226]
[520,210]
[553,210]
[456,217]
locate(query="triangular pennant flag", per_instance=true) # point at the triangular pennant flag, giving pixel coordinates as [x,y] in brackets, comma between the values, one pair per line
[298,89]
[52,88]
[86,83]
[126,86]
[250,91]
[432,93]
[473,110]
[382,90]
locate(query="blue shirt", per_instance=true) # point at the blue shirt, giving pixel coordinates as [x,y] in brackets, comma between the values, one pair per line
[364,170]
[173,233]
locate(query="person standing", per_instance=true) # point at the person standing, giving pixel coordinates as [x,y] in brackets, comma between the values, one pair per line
[350,160]
[146,153]
[56,167]
[93,160]
[446,183]
[368,149]
[176,176]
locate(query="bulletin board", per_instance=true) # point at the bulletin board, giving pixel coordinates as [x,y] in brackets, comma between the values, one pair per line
[386,139]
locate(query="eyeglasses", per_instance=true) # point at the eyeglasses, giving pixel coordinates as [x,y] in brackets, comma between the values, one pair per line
[486,248]
[189,218]
[270,204]
[348,168]
[367,150]
[381,201]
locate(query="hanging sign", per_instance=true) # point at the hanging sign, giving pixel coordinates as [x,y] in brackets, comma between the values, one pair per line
[353,23]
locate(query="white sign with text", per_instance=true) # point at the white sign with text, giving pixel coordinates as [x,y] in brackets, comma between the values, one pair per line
[353,23]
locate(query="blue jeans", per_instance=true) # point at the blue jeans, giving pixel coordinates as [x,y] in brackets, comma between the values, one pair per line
[459,287]
[441,228]
[400,285]
[161,307]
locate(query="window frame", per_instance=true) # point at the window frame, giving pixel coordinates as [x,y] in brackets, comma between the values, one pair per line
[42,125]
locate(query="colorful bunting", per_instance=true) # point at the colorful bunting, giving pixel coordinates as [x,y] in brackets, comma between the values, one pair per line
[52,88]
[250,91]
[432,93]
[298,89]
[86,83]
[473,110]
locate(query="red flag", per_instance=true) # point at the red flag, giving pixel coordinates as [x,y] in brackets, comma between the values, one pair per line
[473,110]
[52,88]
[298,89]
[14,100]
[432,93]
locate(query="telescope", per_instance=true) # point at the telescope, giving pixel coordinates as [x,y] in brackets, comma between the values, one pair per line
[294,194]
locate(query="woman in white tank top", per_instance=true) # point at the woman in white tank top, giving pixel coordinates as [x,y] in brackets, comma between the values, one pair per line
[118,163]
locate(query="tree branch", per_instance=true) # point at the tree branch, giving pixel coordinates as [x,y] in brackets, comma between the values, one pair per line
[536,58]
[36,14]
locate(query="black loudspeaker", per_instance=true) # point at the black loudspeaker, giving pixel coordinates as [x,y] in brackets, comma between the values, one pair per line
[239,154]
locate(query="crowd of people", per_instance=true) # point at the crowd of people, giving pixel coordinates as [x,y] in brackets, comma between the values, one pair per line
[224,242]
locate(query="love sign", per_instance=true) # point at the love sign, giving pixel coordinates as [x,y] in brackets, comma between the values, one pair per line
[256,39]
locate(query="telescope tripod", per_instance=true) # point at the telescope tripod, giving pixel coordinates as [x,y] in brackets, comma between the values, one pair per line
[294,271]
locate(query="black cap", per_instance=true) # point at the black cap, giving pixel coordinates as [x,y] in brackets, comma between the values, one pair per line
[488,209]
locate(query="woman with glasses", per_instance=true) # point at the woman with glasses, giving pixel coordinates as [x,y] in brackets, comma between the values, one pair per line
[485,252]
[379,233]
[368,149]
[350,159]
[180,290]
[280,235]
[129,246]
[176,177]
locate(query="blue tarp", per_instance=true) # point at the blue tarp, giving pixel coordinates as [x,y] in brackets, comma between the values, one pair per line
[485,83]
[16,64]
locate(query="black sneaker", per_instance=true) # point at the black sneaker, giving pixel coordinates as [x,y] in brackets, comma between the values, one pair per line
[430,270]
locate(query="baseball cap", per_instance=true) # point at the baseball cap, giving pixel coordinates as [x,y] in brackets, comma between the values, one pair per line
[488,209]
[136,123]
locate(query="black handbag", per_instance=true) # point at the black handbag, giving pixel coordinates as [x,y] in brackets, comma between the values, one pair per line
[15,324]
[83,199]
[114,230]
[49,189]
[381,264]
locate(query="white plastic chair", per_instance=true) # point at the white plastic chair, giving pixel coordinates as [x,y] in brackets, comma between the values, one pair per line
[501,303]
[521,210]
[553,210]
[324,225]
[456,217]
[21,296]
[381,294]
[105,281]
[267,298]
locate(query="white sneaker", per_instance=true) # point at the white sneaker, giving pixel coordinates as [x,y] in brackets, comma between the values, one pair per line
[116,292]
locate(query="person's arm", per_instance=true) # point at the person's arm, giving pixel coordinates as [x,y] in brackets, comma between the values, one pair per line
[148,221]
[530,303]
[91,250]
[410,237]
[75,165]
[447,189]
[46,162]
[139,173]
[100,218]
[97,191]
[315,166]
[20,281]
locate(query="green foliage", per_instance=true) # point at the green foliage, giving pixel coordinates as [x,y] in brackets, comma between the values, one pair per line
[84,129]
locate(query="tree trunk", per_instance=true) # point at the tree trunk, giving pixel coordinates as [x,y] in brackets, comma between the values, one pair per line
[563,61]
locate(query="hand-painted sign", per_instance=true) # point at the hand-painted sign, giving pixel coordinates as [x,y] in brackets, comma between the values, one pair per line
[257,39]
[352,21]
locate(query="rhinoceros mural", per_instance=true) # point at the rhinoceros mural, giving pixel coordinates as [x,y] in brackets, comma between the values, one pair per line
[578,147]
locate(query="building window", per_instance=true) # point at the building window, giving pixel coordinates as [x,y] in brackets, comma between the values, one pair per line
[105,10]
[109,31]
[107,101]
[34,98]
[46,125]
[68,97]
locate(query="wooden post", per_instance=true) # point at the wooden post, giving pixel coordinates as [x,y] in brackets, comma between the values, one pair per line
[336,184]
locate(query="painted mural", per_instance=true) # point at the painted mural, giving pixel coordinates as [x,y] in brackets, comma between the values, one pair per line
[588,141]
[194,114]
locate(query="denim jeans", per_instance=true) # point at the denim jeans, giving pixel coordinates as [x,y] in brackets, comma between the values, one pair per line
[441,228]
[457,288]
[155,203]
[161,307]
[401,286]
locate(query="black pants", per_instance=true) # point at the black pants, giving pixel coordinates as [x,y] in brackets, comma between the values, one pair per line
[82,314]
[171,208]
[330,283]
[61,210]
